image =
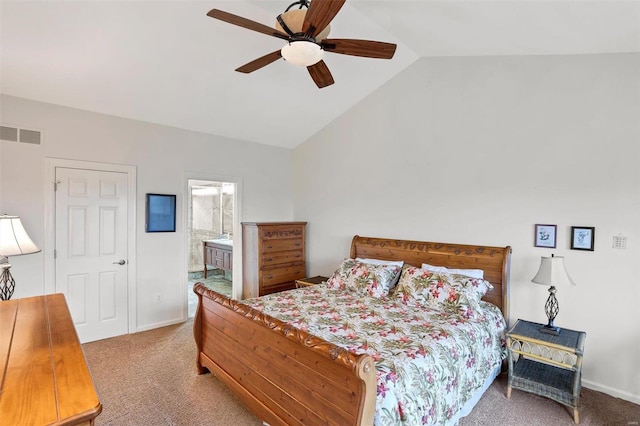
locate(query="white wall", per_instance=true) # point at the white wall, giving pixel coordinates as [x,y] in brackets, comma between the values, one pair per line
[477,151]
[163,157]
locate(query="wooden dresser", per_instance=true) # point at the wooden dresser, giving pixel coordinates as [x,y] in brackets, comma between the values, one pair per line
[44,378]
[273,257]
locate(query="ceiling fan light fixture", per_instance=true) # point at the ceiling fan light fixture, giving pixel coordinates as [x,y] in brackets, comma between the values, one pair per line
[302,52]
[294,19]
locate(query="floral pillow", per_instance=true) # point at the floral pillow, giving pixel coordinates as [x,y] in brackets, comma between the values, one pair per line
[365,278]
[445,292]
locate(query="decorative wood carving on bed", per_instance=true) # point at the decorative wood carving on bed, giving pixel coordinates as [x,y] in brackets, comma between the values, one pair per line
[289,377]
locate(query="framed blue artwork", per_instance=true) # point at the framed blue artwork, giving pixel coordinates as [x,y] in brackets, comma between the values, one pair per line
[161,213]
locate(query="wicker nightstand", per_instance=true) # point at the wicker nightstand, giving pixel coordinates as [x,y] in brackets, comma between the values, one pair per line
[307,282]
[544,364]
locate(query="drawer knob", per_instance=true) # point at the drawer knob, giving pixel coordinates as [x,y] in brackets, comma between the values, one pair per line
[269,246]
[268,259]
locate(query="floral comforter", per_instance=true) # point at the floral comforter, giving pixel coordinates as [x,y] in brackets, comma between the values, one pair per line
[428,363]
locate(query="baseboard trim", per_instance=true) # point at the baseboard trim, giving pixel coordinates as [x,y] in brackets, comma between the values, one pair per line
[611,391]
[160,324]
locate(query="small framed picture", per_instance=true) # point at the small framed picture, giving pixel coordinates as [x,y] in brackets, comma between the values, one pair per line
[582,237]
[545,236]
[161,213]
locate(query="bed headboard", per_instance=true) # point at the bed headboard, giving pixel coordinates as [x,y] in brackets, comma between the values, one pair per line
[494,261]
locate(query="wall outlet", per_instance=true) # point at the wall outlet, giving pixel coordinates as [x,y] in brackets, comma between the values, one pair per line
[619,242]
[159,298]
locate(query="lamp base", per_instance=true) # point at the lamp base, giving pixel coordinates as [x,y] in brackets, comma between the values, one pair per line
[550,329]
[7,283]
[551,309]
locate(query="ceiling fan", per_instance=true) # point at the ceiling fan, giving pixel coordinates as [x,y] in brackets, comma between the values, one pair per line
[305,32]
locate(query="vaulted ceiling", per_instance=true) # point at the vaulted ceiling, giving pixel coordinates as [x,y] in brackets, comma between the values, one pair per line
[167,62]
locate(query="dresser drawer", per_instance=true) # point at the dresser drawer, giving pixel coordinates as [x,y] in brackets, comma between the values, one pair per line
[282,231]
[277,276]
[278,258]
[272,246]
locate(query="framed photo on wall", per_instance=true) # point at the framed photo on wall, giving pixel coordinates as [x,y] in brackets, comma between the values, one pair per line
[582,237]
[160,213]
[545,236]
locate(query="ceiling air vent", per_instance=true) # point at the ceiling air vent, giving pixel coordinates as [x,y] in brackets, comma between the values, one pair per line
[17,134]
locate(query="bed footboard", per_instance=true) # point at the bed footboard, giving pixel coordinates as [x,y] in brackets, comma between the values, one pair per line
[284,375]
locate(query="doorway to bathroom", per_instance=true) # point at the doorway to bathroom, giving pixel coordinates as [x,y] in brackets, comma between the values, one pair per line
[210,237]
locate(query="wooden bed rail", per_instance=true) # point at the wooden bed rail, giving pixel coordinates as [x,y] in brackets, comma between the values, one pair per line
[284,375]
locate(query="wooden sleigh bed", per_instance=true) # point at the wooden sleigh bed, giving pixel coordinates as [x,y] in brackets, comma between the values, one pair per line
[287,376]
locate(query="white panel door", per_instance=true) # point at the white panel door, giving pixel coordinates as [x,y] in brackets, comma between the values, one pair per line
[91,250]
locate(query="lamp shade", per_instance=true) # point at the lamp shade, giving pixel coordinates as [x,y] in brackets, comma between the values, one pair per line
[552,272]
[14,240]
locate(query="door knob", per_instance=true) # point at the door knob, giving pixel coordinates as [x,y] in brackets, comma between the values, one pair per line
[120,262]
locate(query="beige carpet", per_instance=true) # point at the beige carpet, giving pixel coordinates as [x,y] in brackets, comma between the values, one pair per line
[150,378]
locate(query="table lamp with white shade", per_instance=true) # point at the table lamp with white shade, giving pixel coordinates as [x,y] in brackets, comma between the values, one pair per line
[14,241]
[552,272]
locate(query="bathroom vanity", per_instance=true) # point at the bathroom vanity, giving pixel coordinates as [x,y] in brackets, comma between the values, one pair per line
[218,253]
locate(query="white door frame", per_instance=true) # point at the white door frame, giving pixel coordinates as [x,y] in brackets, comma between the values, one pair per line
[236,285]
[50,225]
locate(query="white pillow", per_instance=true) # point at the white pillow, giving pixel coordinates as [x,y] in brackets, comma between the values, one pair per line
[380,262]
[473,273]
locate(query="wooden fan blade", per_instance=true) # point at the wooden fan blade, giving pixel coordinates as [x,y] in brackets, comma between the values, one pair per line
[365,48]
[246,23]
[320,14]
[262,61]
[320,74]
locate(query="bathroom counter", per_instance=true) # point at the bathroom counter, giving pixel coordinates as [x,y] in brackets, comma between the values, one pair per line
[218,253]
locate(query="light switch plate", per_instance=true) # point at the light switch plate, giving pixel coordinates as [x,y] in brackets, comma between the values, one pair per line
[619,242]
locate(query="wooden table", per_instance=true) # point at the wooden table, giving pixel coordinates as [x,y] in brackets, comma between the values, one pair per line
[44,378]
